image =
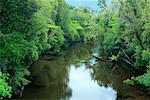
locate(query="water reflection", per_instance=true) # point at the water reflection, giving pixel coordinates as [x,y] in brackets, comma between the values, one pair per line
[51,77]
[49,82]
[105,76]
[75,75]
[83,88]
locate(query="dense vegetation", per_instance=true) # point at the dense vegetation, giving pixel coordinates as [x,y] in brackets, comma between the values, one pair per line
[29,27]
[125,28]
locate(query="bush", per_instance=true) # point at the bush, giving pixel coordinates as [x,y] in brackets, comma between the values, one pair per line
[144,79]
[15,56]
[56,37]
[5,89]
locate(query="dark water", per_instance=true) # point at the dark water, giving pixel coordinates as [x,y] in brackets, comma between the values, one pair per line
[75,75]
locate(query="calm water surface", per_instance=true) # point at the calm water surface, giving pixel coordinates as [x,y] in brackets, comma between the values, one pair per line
[76,75]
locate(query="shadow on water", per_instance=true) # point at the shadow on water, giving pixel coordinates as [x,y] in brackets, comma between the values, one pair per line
[75,75]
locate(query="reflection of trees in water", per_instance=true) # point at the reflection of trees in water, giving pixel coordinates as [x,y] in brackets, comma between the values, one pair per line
[50,81]
[77,53]
[105,76]
[50,78]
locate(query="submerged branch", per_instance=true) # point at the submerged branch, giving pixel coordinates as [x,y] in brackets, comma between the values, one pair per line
[101,58]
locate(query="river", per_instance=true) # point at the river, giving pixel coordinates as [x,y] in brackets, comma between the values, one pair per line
[76,75]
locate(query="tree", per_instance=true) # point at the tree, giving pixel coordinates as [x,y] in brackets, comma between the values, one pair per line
[102,4]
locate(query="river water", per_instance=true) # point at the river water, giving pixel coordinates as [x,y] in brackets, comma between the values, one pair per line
[76,75]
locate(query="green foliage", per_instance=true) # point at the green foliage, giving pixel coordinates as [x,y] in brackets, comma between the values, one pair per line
[40,22]
[128,82]
[16,15]
[29,27]
[76,31]
[146,20]
[125,30]
[91,32]
[102,3]
[56,37]
[146,55]
[138,57]
[5,89]
[82,15]
[15,49]
[110,29]
[83,26]
[16,54]
[144,79]
[113,58]
[62,17]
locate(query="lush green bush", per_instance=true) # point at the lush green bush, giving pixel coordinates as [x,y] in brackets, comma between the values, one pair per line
[5,89]
[56,37]
[144,79]
[16,54]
